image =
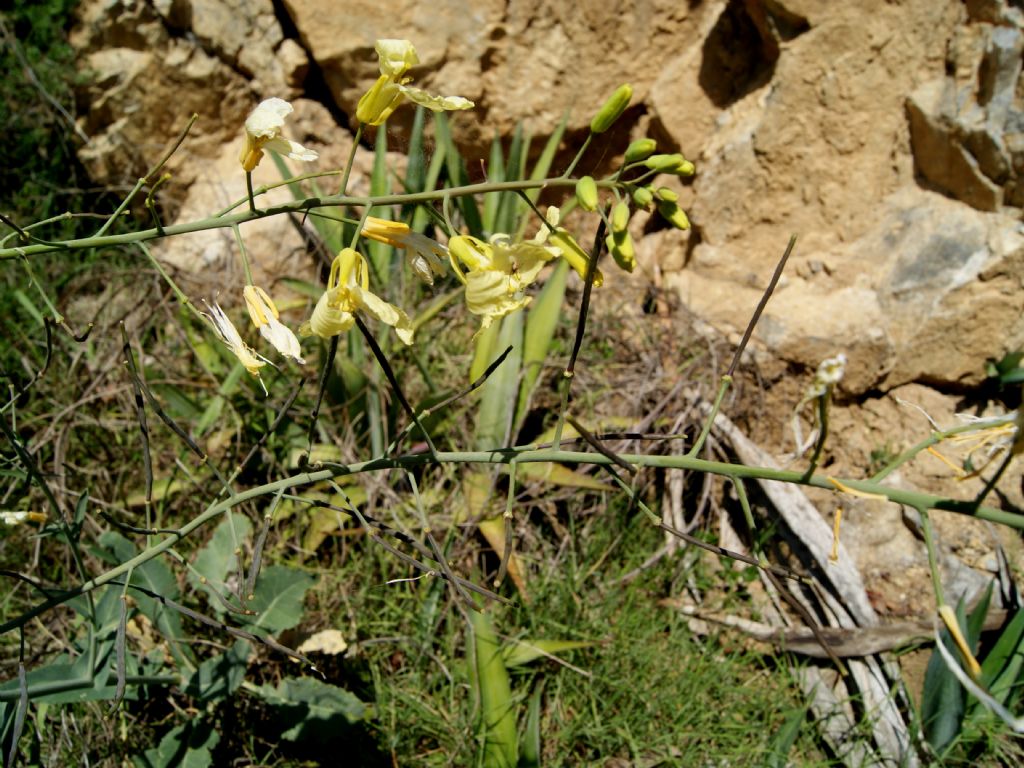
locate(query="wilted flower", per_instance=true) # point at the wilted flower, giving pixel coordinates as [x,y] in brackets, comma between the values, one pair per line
[348,292]
[16,518]
[425,255]
[265,317]
[396,57]
[263,131]
[230,336]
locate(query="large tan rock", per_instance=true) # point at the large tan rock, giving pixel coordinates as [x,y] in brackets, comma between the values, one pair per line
[528,61]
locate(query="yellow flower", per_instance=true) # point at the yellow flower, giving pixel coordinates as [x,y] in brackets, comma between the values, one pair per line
[265,317]
[425,255]
[230,336]
[348,292]
[263,131]
[396,57]
[498,271]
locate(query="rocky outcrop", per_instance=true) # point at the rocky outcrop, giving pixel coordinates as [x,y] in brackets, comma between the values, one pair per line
[887,136]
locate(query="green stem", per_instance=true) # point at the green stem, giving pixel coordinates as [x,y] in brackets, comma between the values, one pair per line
[246,266]
[579,155]
[351,160]
[915,499]
[294,206]
[933,555]
[722,389]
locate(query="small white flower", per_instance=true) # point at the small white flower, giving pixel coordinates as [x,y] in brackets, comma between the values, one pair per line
[264,316]
[263,131]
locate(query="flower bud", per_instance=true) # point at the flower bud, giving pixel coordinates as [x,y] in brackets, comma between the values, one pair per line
[620,217]
[666,163]
[612,109]
[639,150]
[643,196]
[666,194]
[622,250]
[586,193]
[673,214]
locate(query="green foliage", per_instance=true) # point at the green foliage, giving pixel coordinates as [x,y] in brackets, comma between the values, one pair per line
[40,175]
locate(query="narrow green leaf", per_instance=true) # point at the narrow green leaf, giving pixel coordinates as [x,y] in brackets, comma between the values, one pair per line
[942,700]
[523,652]
[457,175]
[497,713]
[541,324]
[495,173]
[498,394]
[530,752]
[380,254]
[784,739]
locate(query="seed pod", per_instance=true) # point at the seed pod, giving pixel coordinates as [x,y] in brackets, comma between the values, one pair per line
[639,150]
[673,214]
[612,109]
[620,217]
[586,193]
[643,196]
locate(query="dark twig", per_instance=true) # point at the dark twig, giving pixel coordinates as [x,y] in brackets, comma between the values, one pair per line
[760,306]
[598,446]
[389,374]
[140,412]
[332,351]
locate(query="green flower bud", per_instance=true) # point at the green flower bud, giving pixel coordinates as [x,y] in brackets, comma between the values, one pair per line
[612,109]
[639,150]
[666,194]
[620,217]
[666,163]
[622,250]
[586,193]
[643,196]
[686,169]
[673,214]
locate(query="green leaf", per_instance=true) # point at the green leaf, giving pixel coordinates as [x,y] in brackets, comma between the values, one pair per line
[523,652]
[1001,670]
[219,557]
[187,746]
[311,710]
[280,592]
[457,175]
[784,739]
[541,324]
[942,700]
[220,676]
[155,576]
[498,394]
[497,712]
[529,752]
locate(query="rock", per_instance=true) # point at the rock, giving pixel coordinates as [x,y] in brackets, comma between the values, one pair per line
[939,152]
[529,62]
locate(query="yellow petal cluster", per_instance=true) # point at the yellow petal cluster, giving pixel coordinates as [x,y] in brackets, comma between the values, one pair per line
[348,292]
[497,272]
[391,89]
